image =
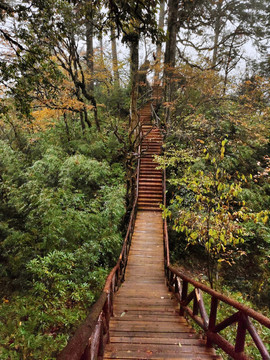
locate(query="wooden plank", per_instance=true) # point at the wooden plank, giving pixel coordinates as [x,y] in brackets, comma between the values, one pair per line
[154,357]
[140,355]
[151,292]
[181,334]
[126,316]
[162,349]
[130,307]
[139,302]
[170,311]
[158,287]
[157,340]
[147,326]
[143,319]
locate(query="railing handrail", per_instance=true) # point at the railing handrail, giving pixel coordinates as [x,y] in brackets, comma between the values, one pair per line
[208,324]
[245,309]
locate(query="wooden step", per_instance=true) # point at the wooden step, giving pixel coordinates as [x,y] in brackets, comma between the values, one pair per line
[149,161]
[150,174]
[148,200]
[153,170]
[150,180]
[149,164]
[148,186]
[149,207]
[150,197]
[150,192]
[150,168]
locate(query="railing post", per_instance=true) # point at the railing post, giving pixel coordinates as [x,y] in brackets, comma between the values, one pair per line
[176,288]
[183,297]
[212,318]
[171,279]
[241,334]
[107,313]
[195,309]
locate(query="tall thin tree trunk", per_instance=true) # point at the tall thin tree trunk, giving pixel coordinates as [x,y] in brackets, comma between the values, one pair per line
[217,32]
[66,126]
[89,45]
[115,58]
[170,54]
[161,26]
[227,65]
[101,47]
[90,57]
[82,122]
[134,65]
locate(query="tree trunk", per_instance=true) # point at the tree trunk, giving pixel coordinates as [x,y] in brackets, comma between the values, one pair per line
[89,45]
[90,59]
[217,32]
[170,52]
[228,63]
[134,65]
[66,126]
[101,48]
[158,55]
[82,122]
[114,58]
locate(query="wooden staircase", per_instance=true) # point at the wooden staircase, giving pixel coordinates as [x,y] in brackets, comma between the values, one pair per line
[150,180]
[146,323]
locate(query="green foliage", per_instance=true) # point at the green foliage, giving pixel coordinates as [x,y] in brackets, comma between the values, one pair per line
[62,200]
[212,215]
[219,197]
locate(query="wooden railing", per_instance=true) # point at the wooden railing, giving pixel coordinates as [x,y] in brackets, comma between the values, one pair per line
[192,305]
[89,340]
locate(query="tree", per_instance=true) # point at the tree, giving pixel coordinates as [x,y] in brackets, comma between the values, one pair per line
[133,19]
[115,58]
[159,44]
[170,52]
[181,15]
[48,54]
[222,31]
[209,211]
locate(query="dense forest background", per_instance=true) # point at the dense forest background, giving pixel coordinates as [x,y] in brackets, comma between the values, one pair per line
[69,134]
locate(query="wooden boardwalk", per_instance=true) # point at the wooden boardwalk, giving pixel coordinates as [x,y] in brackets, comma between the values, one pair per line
[146,322]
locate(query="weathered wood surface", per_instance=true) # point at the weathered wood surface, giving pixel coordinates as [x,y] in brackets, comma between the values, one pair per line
[146,322]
